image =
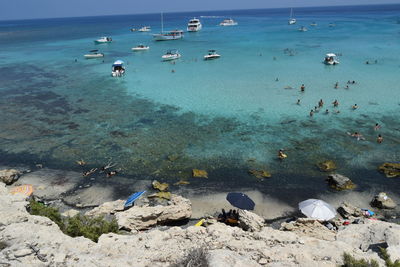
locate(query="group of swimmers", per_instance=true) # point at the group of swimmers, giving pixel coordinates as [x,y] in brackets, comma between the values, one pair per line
[359,136]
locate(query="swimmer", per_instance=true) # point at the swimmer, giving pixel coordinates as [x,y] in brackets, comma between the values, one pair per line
[326,111]
[298,102]
[335,103]
[281,154]
[354,107]
[357,135]
[311,113]
[336,85]
[276,80]
[111,173]
[320,103]
[347,87]
[353,82]
[348,82]
[316,109]
[274,58]
[367,62]
[302,88]
[379,140]
[173,71]
[377,126]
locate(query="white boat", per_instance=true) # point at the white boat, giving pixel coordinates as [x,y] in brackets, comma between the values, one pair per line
[228,22]
[313,24]
[140,48]
[94,54]
[103,40]
[145,29]
[302,29]
[118,69]
[194,25]
[172,35]
[212,54]
[291,19]
[171,55]
[330,59]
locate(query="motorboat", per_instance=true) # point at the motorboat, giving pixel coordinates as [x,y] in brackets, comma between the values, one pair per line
[313,23]
[194,25]
[103,40]
[94,54]
[331,59]
[140,48]
[302,29]
[228,22]
[171,55]
[134,30]
[332,25]
[172,35]
[291,19]
[145,29]
[212,54]
[118,69]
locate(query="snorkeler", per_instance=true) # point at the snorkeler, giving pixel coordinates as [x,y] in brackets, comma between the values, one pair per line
[379,140]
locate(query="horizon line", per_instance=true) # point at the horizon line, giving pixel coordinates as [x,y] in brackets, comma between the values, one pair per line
[177,12]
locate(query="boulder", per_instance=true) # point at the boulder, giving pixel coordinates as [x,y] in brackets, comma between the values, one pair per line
[160,186]
[223,258]
[260,174]
[348,211]
[340,182]
[382,201]
[327,166]
[9,176]
[108,208]
[140,218]
[196,173]
[309,227]
[249,221]
[391,170]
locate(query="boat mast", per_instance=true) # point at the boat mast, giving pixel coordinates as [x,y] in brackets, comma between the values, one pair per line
[162,23]
[291,13]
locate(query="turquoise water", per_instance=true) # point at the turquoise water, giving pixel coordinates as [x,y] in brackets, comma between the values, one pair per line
[226,116]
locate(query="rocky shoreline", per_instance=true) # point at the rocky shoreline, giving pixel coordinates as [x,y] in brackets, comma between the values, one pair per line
[149,239]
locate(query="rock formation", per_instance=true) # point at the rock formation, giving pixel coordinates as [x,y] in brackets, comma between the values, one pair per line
[340,182]
[9,176]
[382,201]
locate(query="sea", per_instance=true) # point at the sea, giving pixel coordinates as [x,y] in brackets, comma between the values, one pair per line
[227,116]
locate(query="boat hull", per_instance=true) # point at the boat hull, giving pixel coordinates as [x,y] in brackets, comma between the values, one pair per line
[137,49]
[93,56]
[211,57]
[162,37]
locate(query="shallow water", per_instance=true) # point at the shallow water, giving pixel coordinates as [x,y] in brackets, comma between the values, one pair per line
[226,116]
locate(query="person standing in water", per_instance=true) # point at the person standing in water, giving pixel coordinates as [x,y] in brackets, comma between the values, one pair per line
[298,102]
[379,140]
[377,126]
[320,103]
[355,106]
[302,88]
[335,103]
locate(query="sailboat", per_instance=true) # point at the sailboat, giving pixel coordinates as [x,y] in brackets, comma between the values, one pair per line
[172,35]
[291,20]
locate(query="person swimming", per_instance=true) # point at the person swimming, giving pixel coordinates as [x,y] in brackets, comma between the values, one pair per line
[302,88]
[377,126]
[298,102]
[355,106]
[336,85]
[320,103]
[358,136]
[281,154]
[311,113]
[379,140]
[347,87]
[326,111]
[335,103]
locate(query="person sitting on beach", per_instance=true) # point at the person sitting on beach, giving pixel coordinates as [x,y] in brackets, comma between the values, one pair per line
[320,103]
[377,126]
[379,140]
[302,88]
[335,103]
[222,217]
[354,107]
[311,113]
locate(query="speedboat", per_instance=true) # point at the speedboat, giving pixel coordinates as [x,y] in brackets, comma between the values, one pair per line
[313,24]
[212,54]
[291,19]
[145,29]
[330,59]
[228,22]
[302,29]
[94,54]
[118,69]
[103,40]
[194,25]
[140,48]
[172,35]
[171,55]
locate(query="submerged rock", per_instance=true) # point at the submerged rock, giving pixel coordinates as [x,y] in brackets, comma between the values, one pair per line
[327,166]
[199,173]
[140,218]
[9,176]
[260,174]
[391,170]
[382,201]
[182,182]
[160,186]
[346,210]
[164,195]
[250,221]
[340,182]
[108,208]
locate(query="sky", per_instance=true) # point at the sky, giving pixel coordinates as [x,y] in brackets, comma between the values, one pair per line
[27,9]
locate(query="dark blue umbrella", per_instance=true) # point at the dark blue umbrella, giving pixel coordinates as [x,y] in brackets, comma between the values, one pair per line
[131,199]
[241,201]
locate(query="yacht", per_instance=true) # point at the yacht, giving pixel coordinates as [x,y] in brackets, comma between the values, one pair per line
[145,29]
[118,69]
[228,22]
[302,29]
[172,35]
[94,54]
[212,54]
[171,55]
[194,25]
[103,40]
[330,59]
[140,48]
[291,19]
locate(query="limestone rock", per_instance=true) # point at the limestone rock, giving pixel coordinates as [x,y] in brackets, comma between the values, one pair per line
[340,182]
[391,170]
[223,258]
[108,208]
[347,211]
[249,221]
[164,195]
[70,213]
[196,173]
[9,176]
[382,201]
[260,174]
[310,228]
[327,166]
[140,218]
[160,186]
[90,197]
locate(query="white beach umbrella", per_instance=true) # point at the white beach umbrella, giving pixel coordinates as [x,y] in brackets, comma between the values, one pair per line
[317,209]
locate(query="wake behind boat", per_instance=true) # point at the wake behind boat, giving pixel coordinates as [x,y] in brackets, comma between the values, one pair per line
[94,54]
[172,35]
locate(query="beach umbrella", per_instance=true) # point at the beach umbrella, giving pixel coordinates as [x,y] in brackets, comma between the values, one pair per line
[241,201]
[131,199]
[317,209]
